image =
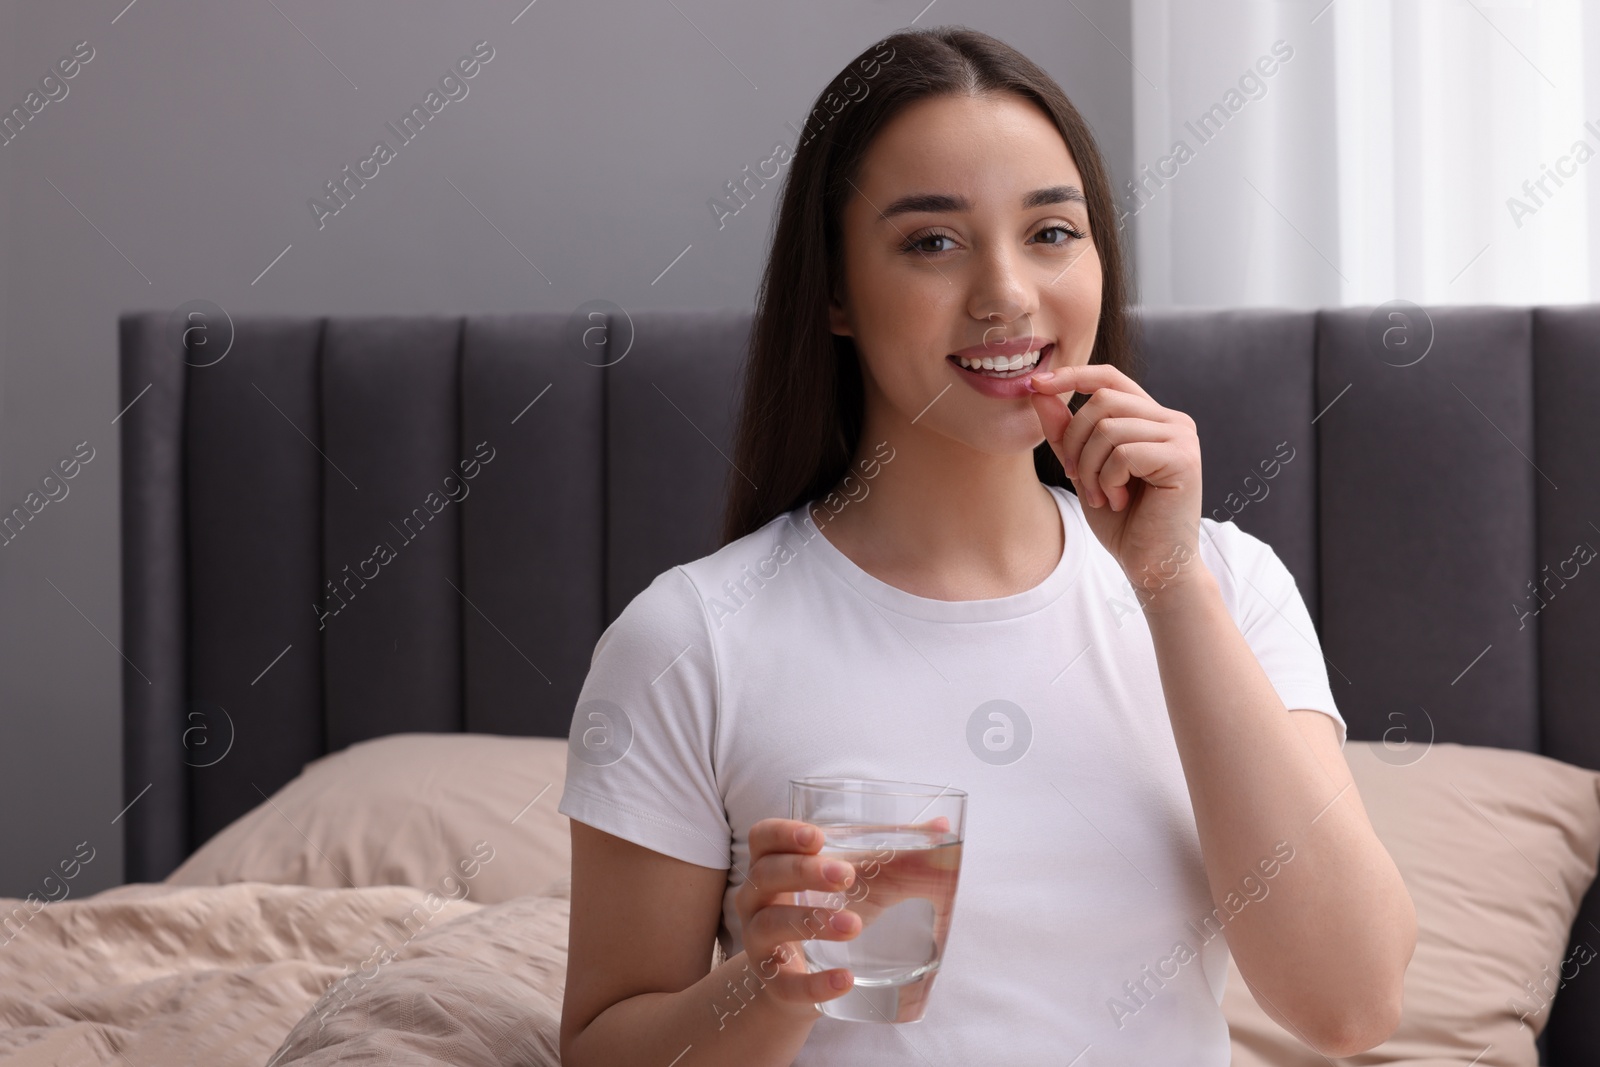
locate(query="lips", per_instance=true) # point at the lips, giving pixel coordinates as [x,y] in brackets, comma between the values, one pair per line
[1005,366]
[1004,385]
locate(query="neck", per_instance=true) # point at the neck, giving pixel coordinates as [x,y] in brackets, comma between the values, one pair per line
[952,509]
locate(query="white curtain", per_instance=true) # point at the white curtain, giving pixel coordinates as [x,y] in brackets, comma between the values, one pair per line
[1315,154]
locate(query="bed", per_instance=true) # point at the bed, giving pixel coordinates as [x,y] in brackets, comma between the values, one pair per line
[322,737]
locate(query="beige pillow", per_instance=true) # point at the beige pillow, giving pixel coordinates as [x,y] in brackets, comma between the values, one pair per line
[471,816]
[1497,849]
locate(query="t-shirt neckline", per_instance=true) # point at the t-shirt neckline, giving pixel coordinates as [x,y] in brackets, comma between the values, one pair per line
[894,598]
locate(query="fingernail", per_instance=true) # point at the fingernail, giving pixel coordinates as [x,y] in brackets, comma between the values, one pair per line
[1042,376]
[807,837]
[1070,467]
[1028,384]
[838,979]
[836,871]
[840,921]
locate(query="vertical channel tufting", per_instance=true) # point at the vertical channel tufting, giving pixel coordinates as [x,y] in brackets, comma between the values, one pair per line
[1427,503]
[1258,443]
[669,427]
[533,526]
[1567,381]
[252,496]
[391,553]
[150,401]
[1566,349]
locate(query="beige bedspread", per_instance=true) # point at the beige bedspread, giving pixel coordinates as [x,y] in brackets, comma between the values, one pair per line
[144,975]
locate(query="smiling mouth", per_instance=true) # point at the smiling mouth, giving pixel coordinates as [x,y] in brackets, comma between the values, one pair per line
[1003,367]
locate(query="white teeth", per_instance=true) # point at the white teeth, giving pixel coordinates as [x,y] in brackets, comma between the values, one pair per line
[1027,359]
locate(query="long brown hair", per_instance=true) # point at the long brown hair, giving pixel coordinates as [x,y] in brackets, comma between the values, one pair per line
[801,408]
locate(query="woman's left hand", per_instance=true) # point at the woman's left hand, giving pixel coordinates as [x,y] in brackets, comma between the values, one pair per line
[1135,465]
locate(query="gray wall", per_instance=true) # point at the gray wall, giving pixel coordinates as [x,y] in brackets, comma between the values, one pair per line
[181,162]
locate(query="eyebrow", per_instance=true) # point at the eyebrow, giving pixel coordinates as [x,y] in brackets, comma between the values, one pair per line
[931,202]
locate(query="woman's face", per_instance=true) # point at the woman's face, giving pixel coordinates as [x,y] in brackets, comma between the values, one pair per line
[959,236]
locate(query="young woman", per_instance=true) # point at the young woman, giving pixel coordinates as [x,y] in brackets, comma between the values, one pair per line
[1131,695]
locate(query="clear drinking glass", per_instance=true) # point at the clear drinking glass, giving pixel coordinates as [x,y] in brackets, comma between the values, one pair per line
[904,840]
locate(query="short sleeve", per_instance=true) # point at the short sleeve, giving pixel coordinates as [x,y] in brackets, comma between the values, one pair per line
[640,762]
[1266,604]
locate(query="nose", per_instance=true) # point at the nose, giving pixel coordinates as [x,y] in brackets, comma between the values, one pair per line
[1000,294]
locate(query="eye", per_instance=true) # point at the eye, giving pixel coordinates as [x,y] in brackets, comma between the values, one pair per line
[915,243]
[1071,234]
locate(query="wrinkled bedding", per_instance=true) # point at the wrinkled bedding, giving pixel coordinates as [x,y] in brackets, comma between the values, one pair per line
[252,973]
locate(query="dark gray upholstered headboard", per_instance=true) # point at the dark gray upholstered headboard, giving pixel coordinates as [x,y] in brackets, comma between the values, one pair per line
[1419,503]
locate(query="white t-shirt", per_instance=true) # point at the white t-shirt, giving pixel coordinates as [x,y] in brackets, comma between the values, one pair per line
[777,657]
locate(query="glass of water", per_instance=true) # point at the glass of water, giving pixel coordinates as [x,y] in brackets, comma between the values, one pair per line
[904,841]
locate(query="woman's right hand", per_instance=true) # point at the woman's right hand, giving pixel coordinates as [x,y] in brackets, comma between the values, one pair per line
[784,861]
